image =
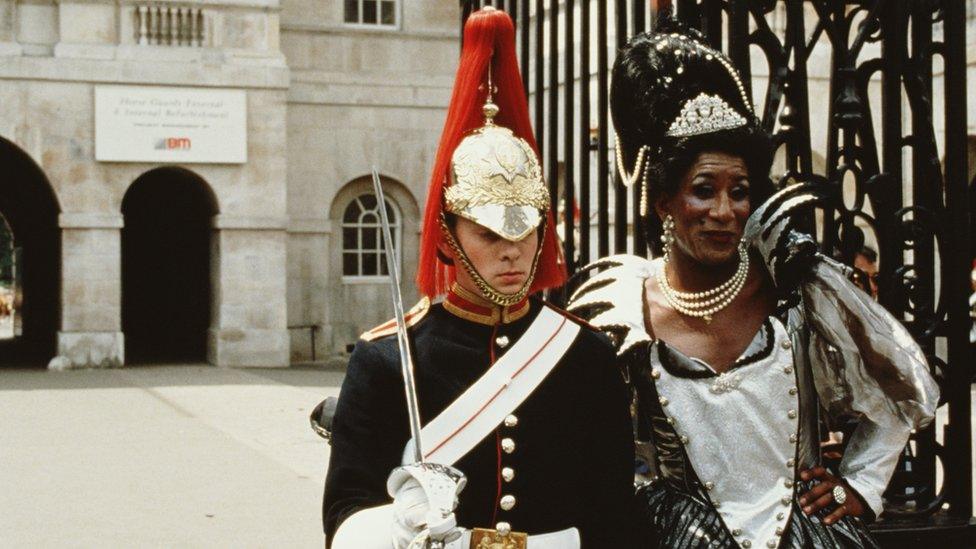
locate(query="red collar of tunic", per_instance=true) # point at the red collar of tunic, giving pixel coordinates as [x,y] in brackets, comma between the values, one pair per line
[473,307]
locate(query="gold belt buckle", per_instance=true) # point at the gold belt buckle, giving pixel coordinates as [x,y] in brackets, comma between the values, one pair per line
[484,538]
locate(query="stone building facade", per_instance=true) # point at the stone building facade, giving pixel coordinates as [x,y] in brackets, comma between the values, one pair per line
[359,97]
[221,259]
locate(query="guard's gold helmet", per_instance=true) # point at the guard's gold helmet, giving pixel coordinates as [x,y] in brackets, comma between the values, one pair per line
[496,181]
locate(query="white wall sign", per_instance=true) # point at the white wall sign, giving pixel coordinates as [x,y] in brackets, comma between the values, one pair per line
[183,125]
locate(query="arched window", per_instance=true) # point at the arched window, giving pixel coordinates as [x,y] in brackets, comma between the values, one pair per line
[363,248]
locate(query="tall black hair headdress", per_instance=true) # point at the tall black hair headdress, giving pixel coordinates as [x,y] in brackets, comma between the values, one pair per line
[669,88]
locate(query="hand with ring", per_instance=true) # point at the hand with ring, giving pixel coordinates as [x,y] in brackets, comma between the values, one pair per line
[829,489]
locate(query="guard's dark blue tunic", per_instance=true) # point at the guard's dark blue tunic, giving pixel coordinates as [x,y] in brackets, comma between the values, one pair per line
[573,457]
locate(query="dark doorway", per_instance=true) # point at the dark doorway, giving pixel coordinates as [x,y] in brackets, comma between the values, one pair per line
[31,260]
[971,159]
[9,311]
[166,267]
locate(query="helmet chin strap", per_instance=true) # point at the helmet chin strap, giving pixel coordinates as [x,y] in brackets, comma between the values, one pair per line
[484,288]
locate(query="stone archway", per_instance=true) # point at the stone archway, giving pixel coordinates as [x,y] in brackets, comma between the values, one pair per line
[166,265]
[30,207]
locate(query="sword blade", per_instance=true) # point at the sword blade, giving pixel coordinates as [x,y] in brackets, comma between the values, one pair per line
[403,342]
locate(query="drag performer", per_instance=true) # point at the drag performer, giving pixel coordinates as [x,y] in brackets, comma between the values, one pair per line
[525,417]
[739,333]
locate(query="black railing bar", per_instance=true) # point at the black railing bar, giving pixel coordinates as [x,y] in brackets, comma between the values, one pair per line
[524,39]
[584,133]
[540,75]
[620,221]
[638,15]
[569,156]
[638,22]
[603,167]
[552,149]
[960,351]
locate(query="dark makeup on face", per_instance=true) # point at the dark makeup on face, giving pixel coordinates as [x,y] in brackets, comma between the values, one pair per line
[710,209]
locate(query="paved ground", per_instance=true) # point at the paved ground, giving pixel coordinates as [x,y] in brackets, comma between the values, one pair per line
[186,456]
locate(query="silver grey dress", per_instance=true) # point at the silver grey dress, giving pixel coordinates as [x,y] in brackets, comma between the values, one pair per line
[725,450]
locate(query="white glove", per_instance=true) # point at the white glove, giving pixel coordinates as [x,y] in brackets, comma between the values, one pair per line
[424,499]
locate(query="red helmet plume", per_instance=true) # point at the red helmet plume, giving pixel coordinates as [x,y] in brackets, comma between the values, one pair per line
[489,37]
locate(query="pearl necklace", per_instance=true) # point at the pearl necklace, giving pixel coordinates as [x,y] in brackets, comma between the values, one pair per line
[706,303]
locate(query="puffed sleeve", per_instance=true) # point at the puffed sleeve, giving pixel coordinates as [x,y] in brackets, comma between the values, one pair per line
[865,361]
[367,438]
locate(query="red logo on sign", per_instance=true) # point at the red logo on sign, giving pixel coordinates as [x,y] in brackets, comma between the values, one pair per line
[173,144]
[178,143]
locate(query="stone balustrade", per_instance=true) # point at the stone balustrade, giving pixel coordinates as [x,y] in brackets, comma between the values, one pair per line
[168,25]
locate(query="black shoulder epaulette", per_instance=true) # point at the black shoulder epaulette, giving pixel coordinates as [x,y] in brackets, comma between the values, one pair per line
[572,317]
[412,317]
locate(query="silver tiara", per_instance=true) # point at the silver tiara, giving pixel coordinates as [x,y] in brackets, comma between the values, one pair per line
[705,114]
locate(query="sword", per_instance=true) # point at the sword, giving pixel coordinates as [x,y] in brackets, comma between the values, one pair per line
[406,362]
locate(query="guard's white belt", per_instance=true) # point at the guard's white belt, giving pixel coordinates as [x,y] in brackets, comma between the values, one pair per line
[370,529]
[563,539]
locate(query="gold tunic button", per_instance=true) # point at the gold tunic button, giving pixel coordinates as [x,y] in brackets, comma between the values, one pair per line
[508,445]
[788,370]
[771,544]
[780,516]
[786,500]
[501,341]
[737,532]
[790,462]
[511,420]
[793,437]
[655,373]
[684,439]
[792,390]
[503,528]
[508,474]
[791,414]
[788,483]
[746,543]
[664,401]
[779,530]
[786,344]
[709,485]
[507,502]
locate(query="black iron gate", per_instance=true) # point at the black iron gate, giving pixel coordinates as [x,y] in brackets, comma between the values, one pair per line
[890,156]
